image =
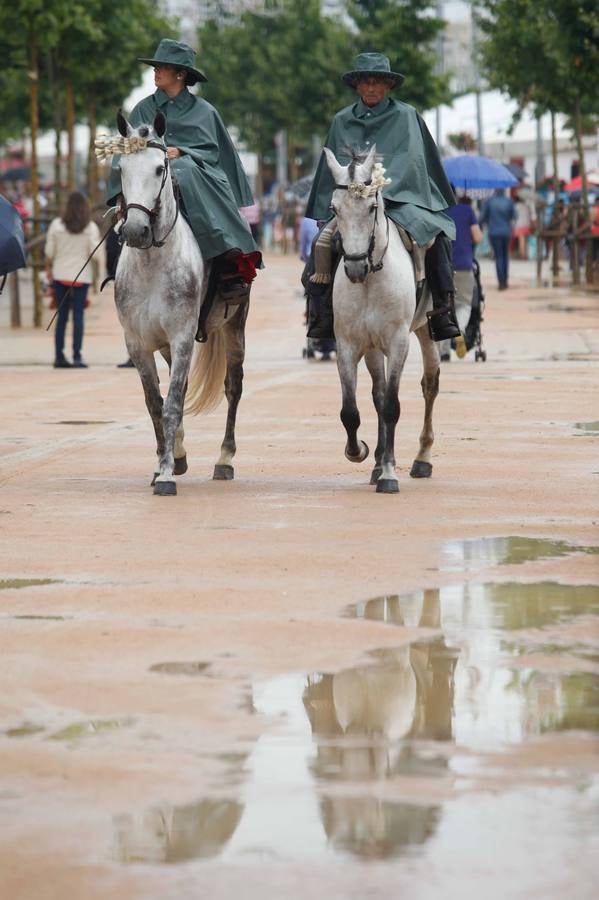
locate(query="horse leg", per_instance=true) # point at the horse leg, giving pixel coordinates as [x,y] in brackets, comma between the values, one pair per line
[388,483]
[146,368]
[180,467]
[234,332]
[172,413]
[375,363]
[347,366]
[422,466]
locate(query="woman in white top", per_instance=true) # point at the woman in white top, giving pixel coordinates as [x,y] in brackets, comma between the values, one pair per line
[69,242]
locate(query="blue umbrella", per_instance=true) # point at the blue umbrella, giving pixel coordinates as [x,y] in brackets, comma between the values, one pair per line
[12,240]
[470,174]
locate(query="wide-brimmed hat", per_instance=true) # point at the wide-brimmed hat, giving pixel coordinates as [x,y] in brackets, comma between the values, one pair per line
[174,53]
[372,64]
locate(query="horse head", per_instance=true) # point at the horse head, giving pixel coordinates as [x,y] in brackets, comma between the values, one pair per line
[144,173]
[354,202]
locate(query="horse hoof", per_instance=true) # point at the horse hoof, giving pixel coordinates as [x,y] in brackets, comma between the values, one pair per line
[387,486]
[223,473]
[421,469]
[376,474]
[180,465]
[165,488]
[364,451]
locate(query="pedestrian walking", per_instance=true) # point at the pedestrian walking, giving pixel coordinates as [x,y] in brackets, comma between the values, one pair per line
[70,240]
[497,214]
[467,235]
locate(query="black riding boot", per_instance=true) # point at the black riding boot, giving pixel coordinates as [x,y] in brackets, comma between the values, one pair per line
[320,311]
[442,321]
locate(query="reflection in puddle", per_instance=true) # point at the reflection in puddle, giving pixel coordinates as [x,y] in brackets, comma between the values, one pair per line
[475,553]
[24,730]
[592,427]
[372,760]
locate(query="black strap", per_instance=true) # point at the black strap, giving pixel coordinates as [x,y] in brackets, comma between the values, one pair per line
[2,283]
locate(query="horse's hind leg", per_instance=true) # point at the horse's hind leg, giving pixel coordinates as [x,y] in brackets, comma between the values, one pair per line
[347,365]
[172,413]
[234,333]
[398,351]
[180,466]
[375,362]
[422,466]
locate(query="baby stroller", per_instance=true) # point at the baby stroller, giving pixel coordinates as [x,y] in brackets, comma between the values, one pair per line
[473,336]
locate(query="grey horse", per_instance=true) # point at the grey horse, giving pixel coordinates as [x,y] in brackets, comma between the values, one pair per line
[160,284]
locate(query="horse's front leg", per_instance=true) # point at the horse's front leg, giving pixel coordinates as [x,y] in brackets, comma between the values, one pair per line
[180,467]
[422,466]
[397,353]
[234,333]
[347,365]
[375,363]
[172,414]
[146,368]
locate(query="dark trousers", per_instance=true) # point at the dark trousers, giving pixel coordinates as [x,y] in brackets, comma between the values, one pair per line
[76,303]
[500,247]
[438,268]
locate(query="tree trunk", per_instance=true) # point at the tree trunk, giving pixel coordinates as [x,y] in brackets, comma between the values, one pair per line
[70,114]
[34,123]
[57,166]
[92,162]
[555,217]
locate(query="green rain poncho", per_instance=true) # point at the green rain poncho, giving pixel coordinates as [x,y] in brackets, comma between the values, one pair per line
[419,190]
[210,175]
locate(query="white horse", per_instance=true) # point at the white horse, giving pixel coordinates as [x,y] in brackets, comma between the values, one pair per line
[374,303]
[159,286]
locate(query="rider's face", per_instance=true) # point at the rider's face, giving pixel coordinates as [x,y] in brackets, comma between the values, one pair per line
[169,78]
[373,89]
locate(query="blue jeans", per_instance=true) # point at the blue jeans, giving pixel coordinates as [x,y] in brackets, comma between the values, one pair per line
[500,247]
[76,302]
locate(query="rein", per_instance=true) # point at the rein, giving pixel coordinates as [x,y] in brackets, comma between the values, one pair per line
[153,213]
[359,257]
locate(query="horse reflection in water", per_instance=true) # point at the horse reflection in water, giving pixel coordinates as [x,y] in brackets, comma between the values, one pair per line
[175,834]
[366,720]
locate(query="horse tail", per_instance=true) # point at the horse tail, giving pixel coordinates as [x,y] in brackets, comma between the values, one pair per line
[206,381]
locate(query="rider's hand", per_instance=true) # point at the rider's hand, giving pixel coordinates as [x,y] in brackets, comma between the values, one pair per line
[173,152]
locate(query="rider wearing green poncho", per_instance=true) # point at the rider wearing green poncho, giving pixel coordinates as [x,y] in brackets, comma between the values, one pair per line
[415,199]
[212,182]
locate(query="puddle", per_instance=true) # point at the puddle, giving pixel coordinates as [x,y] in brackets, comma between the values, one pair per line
[33,618]
[84,422]
[477,553]
[588,427]
[10,583]
[387,758]
[86,729]
[24,730]
[180,668]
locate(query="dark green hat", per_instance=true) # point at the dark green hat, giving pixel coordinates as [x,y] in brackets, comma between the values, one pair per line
[173,53]
[372,64]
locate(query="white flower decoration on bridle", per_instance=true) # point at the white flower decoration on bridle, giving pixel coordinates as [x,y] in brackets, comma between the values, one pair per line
[377,181]
[108,144]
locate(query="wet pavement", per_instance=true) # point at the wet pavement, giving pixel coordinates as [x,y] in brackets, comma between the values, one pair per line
[288,685]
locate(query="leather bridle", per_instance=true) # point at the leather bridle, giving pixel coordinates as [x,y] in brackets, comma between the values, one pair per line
[359,257]
[153,213]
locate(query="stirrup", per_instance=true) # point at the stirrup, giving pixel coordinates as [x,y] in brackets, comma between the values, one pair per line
[442,323]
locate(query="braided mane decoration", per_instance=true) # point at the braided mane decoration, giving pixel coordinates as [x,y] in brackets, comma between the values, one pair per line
[377,181]
[107,144]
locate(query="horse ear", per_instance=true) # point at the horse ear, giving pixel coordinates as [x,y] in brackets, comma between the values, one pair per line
[160,124]
[364,170]
[122,124]
[338,171]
